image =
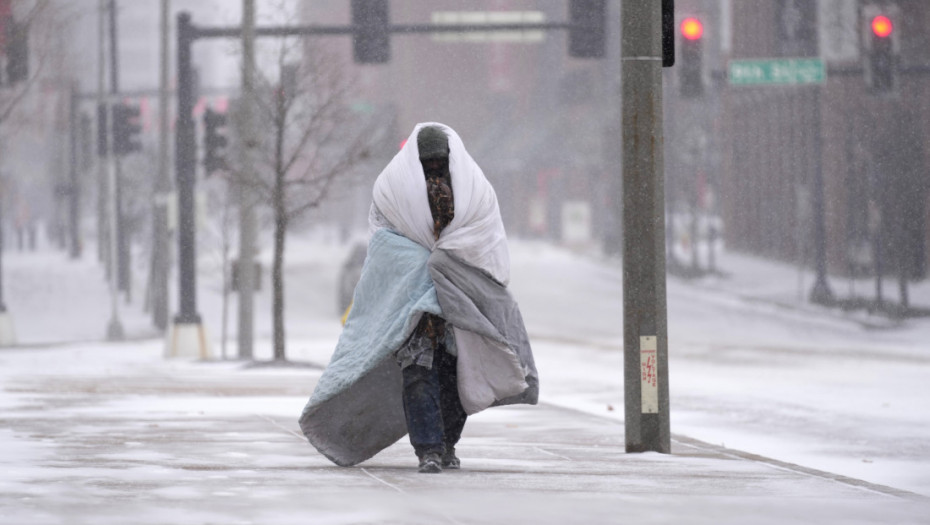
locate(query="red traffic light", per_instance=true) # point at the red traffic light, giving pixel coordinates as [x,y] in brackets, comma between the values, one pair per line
[882,26]
[692,28]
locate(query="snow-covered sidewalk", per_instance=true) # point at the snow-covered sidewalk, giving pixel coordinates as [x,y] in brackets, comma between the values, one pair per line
[112,433]
[823,418]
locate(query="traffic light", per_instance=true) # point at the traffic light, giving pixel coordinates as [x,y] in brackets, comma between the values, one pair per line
[214,141]
[372,39]
[668,33]
[880,40]
[587,32]
[126,129]
[691,66]
[17,52]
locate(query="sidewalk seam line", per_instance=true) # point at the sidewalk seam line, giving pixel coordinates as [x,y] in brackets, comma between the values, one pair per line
[376,478]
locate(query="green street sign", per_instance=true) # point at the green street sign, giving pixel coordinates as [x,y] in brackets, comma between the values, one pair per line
[777,71]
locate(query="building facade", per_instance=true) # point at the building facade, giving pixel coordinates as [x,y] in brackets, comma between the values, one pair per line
[764,146]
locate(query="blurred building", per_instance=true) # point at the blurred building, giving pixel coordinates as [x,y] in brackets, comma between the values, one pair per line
[762,146]
[539,122]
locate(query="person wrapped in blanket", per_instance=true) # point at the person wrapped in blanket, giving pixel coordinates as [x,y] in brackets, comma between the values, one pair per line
[433,299]
[435,417]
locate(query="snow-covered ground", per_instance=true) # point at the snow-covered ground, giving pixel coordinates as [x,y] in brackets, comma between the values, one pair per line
[753,368]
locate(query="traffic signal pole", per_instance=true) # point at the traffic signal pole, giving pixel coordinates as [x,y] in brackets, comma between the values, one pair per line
[187,338]
[645,339]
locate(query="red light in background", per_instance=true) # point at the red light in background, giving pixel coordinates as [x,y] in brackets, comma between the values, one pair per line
[882,26]
[692,28]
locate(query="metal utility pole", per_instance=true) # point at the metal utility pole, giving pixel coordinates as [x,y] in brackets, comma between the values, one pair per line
[821,292]
[115,327]
[74,189]
[103,221]
[7,333]
[645,331]
[123,240]
[247,221]
[161,243]
[187,338]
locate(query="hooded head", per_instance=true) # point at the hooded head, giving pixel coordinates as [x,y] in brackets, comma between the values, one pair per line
[432,143]
[433,147]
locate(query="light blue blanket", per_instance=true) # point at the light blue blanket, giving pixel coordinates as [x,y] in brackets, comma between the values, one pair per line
[337,419]
[394,279]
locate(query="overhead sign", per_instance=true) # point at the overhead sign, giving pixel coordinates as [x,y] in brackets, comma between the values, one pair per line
[839,30]
[490,18]
[777,71]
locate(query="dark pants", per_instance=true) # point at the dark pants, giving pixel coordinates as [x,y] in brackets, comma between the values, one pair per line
[435,417]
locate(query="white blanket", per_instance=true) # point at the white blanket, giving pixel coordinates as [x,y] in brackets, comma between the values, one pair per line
[475,236]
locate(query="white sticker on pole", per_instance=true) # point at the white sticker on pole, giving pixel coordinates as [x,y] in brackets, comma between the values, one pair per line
[648,349]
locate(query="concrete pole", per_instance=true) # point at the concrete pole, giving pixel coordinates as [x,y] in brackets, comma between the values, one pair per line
[161,252]
[247,221]
[115,327]
[645,331]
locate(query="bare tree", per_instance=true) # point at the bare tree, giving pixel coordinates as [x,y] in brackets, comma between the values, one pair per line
[312,142]
[32,17]
[34,36]
[218,243]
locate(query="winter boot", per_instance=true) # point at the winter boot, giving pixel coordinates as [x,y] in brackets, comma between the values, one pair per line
[450,460]
[430,463]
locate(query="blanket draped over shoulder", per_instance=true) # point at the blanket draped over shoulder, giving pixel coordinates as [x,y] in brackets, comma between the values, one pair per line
[356,409]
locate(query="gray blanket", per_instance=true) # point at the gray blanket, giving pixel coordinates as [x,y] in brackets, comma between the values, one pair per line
[356,409]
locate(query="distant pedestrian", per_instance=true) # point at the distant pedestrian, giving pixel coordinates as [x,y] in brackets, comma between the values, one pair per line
[433,334]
